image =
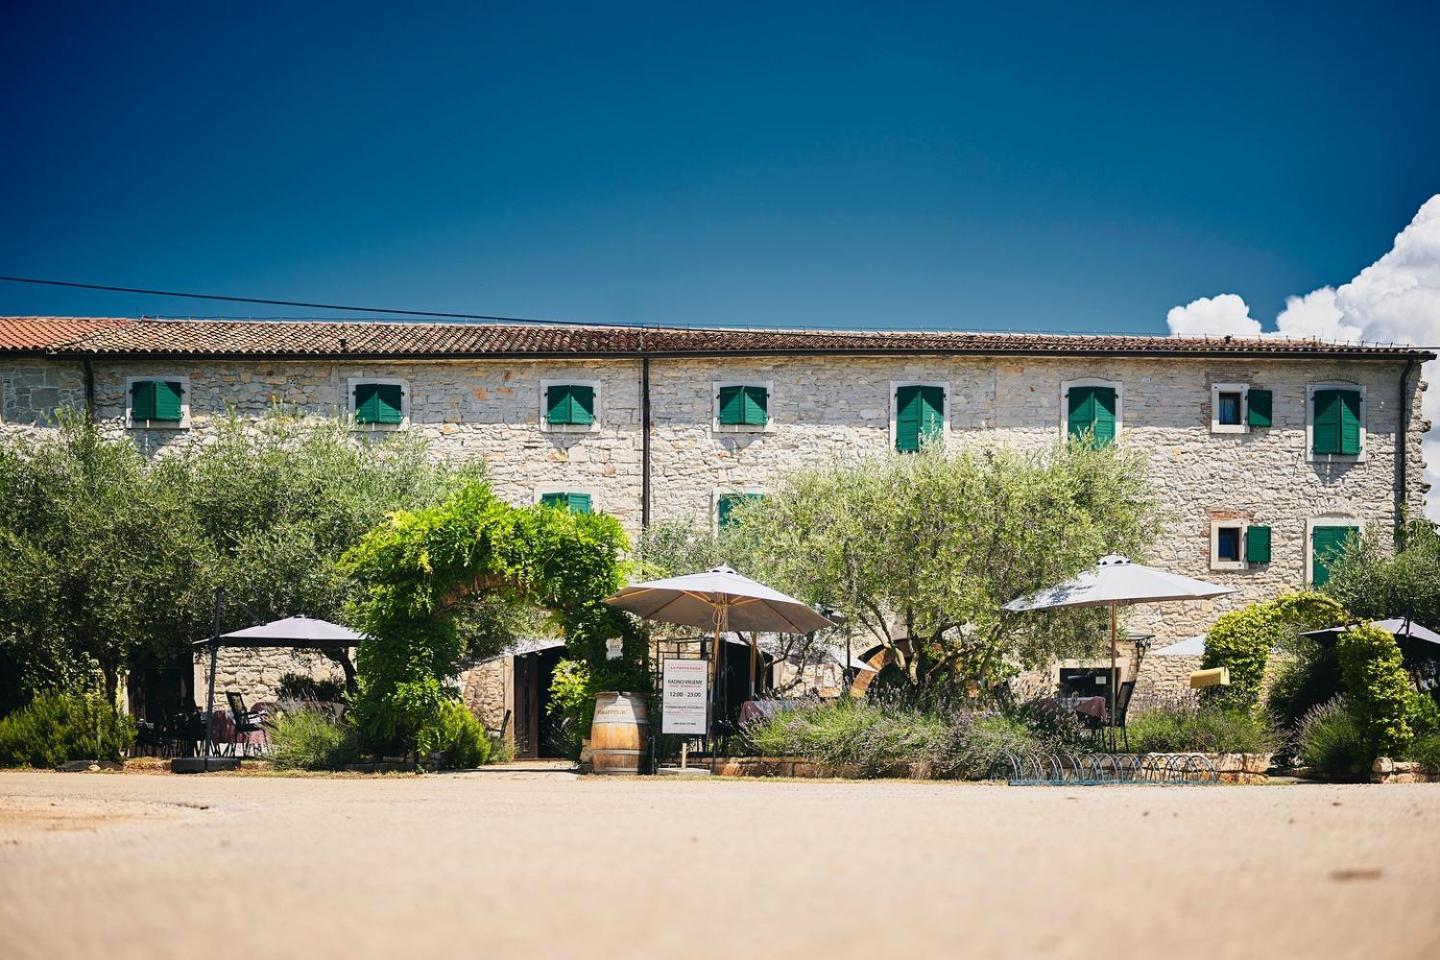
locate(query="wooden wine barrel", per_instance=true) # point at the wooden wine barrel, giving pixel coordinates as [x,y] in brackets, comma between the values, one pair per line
[619,733]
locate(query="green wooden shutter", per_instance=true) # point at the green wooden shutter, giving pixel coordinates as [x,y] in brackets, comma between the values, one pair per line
[732,406]
[1326,544]
[390,398]
[554,500]
[907,419]
[932,413]
[367,403]
[1325,422]
[582,405]
[1092,412]
[578,502]
[558,403]
[1257,544]
[919,416]
[142,400]
[726,504]
[1259,404]
[755,408]
[169,407]
[1350,422]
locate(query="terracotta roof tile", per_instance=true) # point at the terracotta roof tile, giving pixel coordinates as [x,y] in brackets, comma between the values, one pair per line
[33,334]
[389,339]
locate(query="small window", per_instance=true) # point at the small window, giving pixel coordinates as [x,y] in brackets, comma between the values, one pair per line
[1092,413]
[1337,421]
[742,407]
[1227,409]
[919,415]
[160,402]
[1227,545]
[574,502]
[1228,402]
[379,403]
[726,505]
[570,404]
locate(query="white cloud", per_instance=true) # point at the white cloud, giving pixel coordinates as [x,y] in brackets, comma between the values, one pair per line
[1213,316]
[1395,299]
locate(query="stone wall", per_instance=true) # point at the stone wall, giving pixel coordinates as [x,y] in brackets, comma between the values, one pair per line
[256,671]
[827,410]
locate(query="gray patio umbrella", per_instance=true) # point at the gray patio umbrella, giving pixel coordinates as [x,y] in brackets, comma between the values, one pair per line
[1116,582]
[1397,627]
[722,600]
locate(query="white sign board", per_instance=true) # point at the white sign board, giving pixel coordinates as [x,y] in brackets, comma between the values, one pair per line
[684,696]
[614,648]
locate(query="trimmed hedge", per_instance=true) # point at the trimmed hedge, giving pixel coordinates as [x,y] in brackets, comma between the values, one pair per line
[1242,640]
[1379,688]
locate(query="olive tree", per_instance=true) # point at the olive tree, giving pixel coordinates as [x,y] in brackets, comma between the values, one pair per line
[920,552]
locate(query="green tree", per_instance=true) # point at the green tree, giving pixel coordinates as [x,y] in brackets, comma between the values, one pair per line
[1375,582]
[1241,641]
[921,551]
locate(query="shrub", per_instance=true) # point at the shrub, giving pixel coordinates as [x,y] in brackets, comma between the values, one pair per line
[572,704]
[54,728]
[311,740]
[978,743]
[1378,687]
[1309,677]
[458,739]
[1241,641]
[1426,751]
[1332,742]
[1180,728]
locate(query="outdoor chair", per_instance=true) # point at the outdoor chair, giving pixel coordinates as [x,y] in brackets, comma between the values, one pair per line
[1122,708]
[247,722]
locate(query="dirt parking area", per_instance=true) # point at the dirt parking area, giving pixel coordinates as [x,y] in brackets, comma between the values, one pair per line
[546,864]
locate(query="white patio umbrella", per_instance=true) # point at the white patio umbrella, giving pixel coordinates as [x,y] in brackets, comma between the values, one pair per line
[1116,582]
[721,600]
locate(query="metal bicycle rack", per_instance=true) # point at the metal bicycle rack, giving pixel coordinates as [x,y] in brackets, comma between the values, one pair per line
[1097,769]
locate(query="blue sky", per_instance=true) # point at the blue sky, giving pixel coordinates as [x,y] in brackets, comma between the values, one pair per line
[1032,166]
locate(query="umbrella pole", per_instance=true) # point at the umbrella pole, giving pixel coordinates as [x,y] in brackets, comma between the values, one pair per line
[1113,676]
[753,655]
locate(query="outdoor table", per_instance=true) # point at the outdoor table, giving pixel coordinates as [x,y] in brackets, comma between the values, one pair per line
[1095,707]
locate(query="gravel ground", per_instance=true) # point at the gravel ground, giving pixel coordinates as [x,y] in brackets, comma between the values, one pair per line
[545,864]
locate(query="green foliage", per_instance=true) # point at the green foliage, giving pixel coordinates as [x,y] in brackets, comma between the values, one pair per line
[109,561]
[1376,582]
[418,565]
[876,736]
[1332,742]
[1378,687]
[1308,676]
[54,728]
[1183,727]
[456,737]
[1242,640]
[311,740]
[939,540]
[572,697]
[1426,751]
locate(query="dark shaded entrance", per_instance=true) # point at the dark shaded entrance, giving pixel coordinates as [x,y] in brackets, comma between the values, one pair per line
[539,734]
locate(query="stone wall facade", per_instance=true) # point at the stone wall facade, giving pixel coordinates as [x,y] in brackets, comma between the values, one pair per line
[828,409]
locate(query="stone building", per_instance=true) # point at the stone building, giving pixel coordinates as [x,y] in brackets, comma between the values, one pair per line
[1265,452]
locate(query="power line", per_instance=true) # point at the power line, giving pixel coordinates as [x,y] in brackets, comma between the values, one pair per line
[298,303]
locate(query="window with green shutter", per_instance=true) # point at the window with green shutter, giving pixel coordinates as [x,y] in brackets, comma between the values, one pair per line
[570,404]
[743,405]
[1257,544]
[1258,409]
[379,403]
[726,504]
[574,502]
[1335,422]
[1091,413]
[1326,544]
[156,401]
[919,416]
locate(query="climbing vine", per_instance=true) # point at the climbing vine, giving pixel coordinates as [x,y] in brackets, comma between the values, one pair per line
[417,566]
